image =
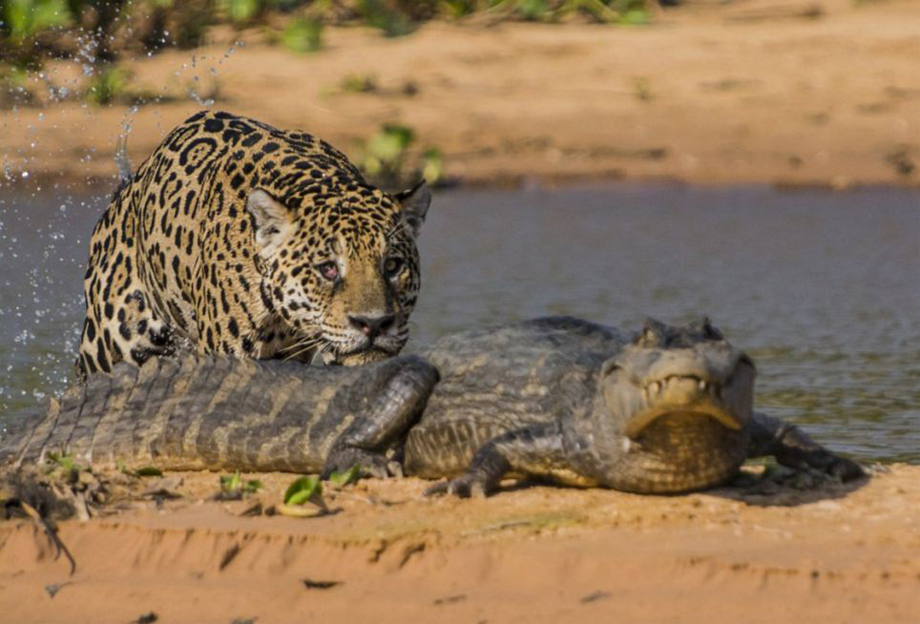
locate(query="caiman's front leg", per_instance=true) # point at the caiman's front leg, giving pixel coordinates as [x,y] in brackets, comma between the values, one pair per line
[536,450]
[385,423]
[793,448]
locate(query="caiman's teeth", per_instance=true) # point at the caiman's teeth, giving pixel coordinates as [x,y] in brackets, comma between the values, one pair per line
[702,385]
[653,387]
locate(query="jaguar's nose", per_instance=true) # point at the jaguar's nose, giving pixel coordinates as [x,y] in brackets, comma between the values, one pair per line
[372,326]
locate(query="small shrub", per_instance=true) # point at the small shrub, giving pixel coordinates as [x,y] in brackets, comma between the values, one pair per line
[303,35]
[379,14]
[387,159]
[107,85]
[303,490]
[359,83]
[233,486]
[240,11]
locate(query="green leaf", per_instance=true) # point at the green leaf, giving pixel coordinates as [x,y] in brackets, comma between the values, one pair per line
[303,490]
[148,471]
[359,83]
[432,165]
[379,14]
[64,461]
[303,35]
[26,18]
[252,485]
[108,84]
[532,10]
[389,145]
[342,478]
[240,11]
[636,17]
[230,483]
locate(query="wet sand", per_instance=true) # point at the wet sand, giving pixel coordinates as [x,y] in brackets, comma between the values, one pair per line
[538,554]
[764,91]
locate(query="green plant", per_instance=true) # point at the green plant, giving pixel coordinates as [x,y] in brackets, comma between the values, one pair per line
[144,471]
[531,10]
[108,84]
[384,153]
[642,89]
[432,165]
[303,490]
[233,486]
[148,471]
[379,14]
[14,86]
[240,11]
[459,8]
[385,158]
[341,478]
[25,19]
[303,35]
[359,83]
[62,461]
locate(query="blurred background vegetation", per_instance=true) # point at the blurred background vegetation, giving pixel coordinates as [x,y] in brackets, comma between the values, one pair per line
[99,31]
[98,35]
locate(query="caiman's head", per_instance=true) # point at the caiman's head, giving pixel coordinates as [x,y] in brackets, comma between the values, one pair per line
[676,403]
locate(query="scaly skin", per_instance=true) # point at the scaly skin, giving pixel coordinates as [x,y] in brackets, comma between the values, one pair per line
[668,410]
[201,412]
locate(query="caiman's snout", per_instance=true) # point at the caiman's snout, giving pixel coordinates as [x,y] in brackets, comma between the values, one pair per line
[725,401]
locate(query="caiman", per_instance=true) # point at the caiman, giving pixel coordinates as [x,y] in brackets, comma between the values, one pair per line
[664,410]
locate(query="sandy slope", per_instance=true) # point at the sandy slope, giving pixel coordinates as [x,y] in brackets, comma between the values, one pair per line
[531,555]
[754,92]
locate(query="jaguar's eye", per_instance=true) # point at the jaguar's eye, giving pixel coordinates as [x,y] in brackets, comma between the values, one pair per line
[329,270]
[392,266]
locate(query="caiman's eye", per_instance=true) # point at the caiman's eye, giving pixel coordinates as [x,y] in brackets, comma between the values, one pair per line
[392,266]
[329,270]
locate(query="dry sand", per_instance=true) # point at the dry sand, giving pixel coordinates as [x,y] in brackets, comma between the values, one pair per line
[763,91]
[537,554]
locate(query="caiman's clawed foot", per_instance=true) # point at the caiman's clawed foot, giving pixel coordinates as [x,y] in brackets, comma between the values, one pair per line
[824,461]
[466,486]
[371,464]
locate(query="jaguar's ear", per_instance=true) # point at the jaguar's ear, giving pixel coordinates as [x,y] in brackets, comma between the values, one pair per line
[274,222]
[415,204]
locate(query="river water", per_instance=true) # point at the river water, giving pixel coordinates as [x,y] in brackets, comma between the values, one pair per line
[821,288]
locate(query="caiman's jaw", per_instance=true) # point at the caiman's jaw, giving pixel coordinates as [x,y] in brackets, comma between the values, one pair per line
[727,402]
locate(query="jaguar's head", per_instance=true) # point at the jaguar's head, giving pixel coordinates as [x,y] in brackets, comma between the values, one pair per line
[343,271]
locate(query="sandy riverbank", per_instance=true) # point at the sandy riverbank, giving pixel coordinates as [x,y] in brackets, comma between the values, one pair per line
[765,91]
[537,554]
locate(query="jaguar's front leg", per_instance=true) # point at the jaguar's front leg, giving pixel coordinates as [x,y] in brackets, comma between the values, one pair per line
[385,422]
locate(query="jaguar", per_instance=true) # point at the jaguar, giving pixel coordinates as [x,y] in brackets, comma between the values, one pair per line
[236,237]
